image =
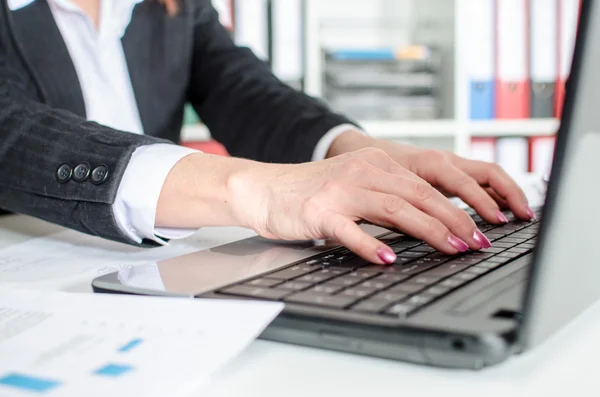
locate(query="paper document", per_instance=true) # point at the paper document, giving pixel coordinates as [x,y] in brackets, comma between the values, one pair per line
[70,260]
[64,344]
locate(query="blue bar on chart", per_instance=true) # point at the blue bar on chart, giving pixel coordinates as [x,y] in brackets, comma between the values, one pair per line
[113,370]
[130,345]
[28,383]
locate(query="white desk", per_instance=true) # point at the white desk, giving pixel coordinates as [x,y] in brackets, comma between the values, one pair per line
[267,369]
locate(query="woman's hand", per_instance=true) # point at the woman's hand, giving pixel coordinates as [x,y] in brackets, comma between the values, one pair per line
[485,187]
[324,199]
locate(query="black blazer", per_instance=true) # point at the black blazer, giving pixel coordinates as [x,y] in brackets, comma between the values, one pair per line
[172,60]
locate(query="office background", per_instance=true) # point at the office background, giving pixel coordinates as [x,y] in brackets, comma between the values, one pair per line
[482,78]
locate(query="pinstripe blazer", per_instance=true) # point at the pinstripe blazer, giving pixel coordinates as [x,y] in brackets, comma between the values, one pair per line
[172,60]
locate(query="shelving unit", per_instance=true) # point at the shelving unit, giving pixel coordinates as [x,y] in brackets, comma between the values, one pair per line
[456,127]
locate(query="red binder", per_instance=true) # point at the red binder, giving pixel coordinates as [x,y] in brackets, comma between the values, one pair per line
[512,80]
[568,17]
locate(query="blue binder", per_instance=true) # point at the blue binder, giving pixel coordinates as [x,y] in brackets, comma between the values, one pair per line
[481,99]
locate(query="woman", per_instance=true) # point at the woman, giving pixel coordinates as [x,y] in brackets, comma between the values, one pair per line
[91,101]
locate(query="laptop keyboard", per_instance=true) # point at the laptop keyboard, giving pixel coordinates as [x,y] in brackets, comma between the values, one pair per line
[339,279]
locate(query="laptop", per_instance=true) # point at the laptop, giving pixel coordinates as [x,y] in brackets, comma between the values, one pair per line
[467,311]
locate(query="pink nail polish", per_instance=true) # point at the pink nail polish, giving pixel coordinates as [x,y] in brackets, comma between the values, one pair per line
[386,255]
[458,244]
[481,239]
[531,214]
[501,217]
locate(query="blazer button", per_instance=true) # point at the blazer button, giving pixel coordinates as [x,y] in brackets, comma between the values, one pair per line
[81,172]
[64,173]
[99,174]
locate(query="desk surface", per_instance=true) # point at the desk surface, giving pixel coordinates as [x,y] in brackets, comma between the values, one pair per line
[266,369]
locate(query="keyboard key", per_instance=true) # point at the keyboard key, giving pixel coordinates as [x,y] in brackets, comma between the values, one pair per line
[357,292]
[375,284]
[370,306]
[493,249]
[447,269]
[313,262]
[526,245]
[389,296]
[405,244]
[346,280]
[469,260]
[497,259]
[507,254]
[452,283]
[401,309]
[255,292]
[333,301]
[423,248]
[292,272]
[514,240]
[437,290]
[315,278]
[489,265]
[465,276]
[425,280]
[499,244]
[389,277]
[412,254]
[493,236]
[478,270]
[480,254]
[519,250]
[400,261]
[326,288]
[336,271]
[416,267]
[419,300]
[295,285]
[263,282]
[407,288]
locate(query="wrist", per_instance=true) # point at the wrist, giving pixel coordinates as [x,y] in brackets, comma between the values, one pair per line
[197,192]
[349,141]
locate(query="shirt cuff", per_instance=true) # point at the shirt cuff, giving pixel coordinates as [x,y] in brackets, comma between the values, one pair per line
[326,140]
[139,191]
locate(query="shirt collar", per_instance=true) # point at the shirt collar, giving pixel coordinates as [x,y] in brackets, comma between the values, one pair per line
[116,14]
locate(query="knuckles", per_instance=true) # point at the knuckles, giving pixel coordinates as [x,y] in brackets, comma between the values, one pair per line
[392,205]
[423,191]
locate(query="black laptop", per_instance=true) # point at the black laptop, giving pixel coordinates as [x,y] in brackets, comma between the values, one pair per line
[467,311]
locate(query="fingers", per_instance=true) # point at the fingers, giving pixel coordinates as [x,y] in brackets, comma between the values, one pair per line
[460,184]
[390,210]
[349,234]
[492,175]
[503,204]
[429,200]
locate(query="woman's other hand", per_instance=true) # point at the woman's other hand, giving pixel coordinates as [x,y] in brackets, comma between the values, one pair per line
[485,187]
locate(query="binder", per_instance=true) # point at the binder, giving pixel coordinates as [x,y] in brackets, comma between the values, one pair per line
[287,61]
[541,154]
[252,26]
[568,16]
[481,58]
[512,84]
[543,21]
[512,154]
[483,149]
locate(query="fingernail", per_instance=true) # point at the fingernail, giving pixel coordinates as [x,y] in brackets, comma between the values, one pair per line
[501,217]
[481,239]
[530,213]
[386,254]
[458,244]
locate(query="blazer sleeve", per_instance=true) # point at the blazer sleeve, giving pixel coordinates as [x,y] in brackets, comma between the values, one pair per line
[246,108]
[36,140]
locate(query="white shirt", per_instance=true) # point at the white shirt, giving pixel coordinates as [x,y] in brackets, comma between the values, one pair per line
[99,60]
